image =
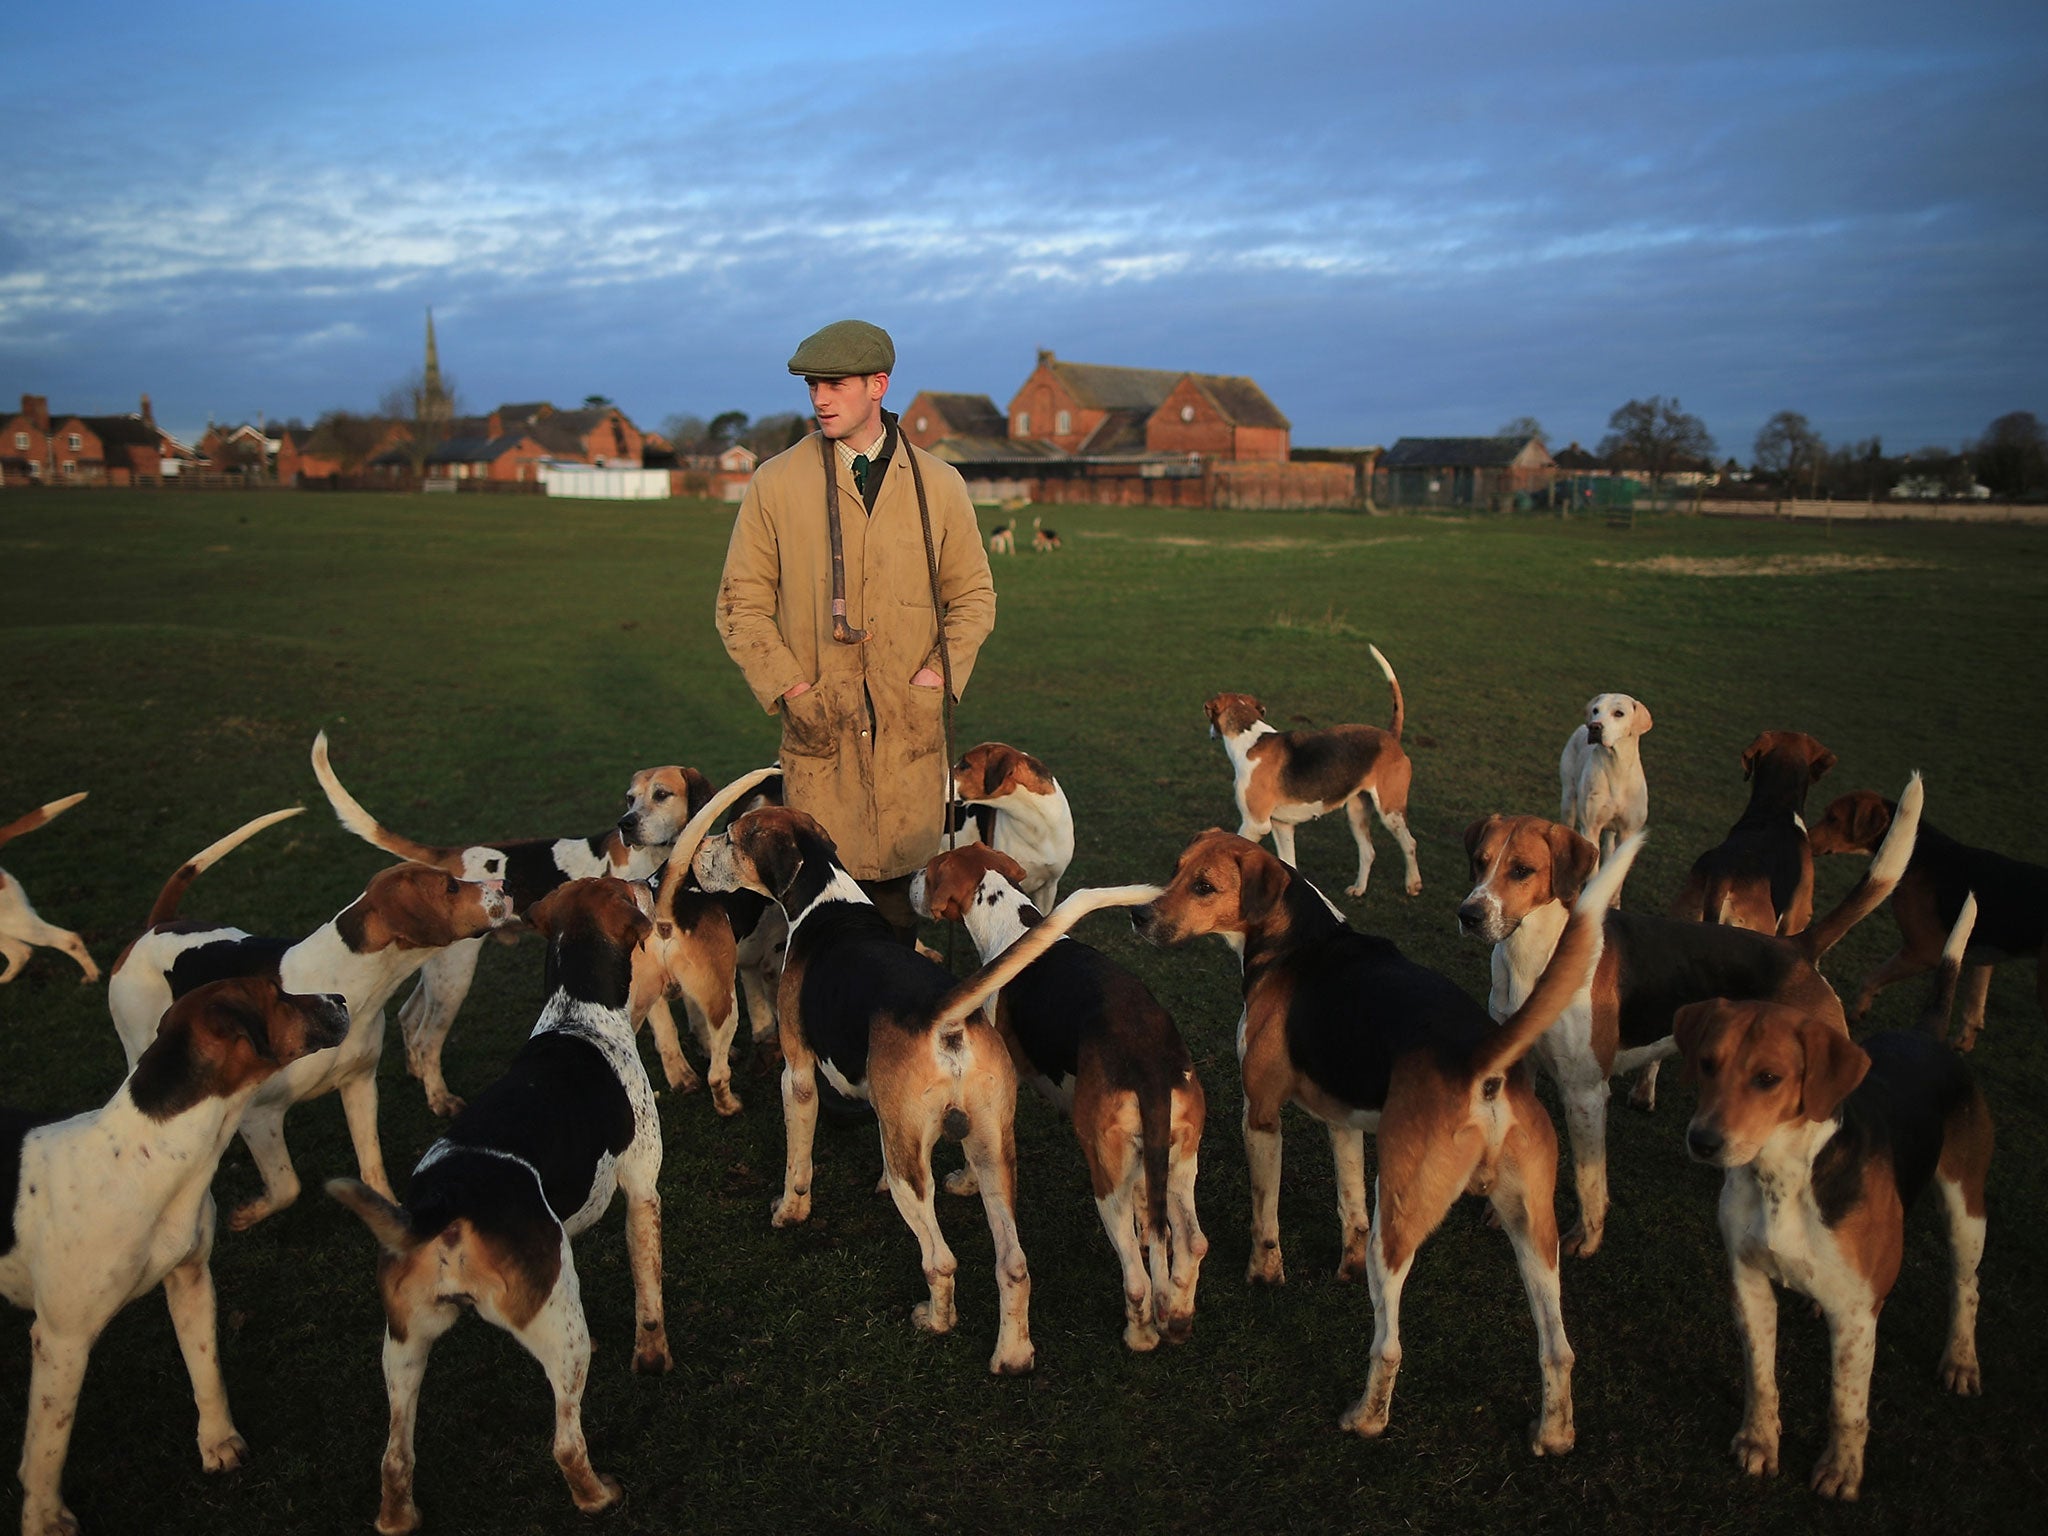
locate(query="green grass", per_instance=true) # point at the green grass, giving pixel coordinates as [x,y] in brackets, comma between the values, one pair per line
[488,668]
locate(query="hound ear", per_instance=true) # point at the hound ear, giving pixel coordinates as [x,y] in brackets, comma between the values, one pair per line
[772,850]
[1835,1064]
[1261,883]
[697,792]
[1871,820]
[1750,754]
[1688,1028]
[1476,832]
[1572,862]
[541,913]
[1821,765]
[994,769]
[1643,721]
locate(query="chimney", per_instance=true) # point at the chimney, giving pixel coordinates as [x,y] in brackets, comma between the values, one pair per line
[1045,357]
[37,409]
[148,416]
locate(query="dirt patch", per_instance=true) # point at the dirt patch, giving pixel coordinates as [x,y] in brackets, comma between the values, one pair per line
[1766,565]
[1270,544]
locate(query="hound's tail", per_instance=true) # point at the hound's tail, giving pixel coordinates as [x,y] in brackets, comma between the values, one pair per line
[174,889]
[1393,682]
[1570,969]
[372,831]
[692,836]
[1887,867]
[1155,1125]
[38,816]
[1943,1003]
[388,1223]
[970,994]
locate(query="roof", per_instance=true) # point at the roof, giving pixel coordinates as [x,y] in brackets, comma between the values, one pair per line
[123,431]
[1119,432]
[1575,457]
[1454,452]
[476,449]
[994,450]
[525,411]
[970,415]
[1105,387]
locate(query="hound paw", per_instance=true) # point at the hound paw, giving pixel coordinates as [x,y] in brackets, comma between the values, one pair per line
[789,1210]
[1961,1376]
[1414,887]
[1643,1095]
[224,1455]
[1755,1453]
[1266,1267]
[611,1494]
[652,1359]
[1359,890]
[1022,1363]
[446,1104]
[248,1213]
[724,1100]
[962,1181]
[1550,1438]
[1363,1419]
[1582,1242]
[62,1523]
[926,1318]
[684,1081]
[1838,1475]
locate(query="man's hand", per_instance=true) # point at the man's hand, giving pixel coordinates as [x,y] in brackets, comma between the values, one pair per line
[925,678]
[794,689]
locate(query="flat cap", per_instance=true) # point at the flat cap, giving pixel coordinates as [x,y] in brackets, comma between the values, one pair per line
[844,348]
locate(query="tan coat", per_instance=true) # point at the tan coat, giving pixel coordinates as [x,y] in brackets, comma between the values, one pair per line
[863,750]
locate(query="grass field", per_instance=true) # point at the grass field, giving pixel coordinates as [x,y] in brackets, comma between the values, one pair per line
[488,668]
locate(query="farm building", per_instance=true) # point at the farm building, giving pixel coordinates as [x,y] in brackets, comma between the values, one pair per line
[1462,471]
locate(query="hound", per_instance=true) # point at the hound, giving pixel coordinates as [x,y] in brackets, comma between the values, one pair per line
[1825,1142]
[2012,906]
[889,1026]
[21,930]
[1095,1042]
[1364,1039]
[1527,871]
[530,1164]
[1284,778]
[1761,875]
[109,1204]
[364,952]
[1002,540]
[1027,818]
[1043,539]
[658,802]
[1602,793]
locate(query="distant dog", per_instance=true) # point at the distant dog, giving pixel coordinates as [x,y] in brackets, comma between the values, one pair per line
[1826,1141]
[1043,539]
[20,928]
[529,1164]
[106,1205]
[365,952]
[1761,875]
[1284,778]
[1095,1041]
[1602,793]
[2012,906]
[1002,540]
[1023,812]
[658,802]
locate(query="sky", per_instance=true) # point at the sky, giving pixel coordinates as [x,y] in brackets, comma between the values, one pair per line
[1399,219]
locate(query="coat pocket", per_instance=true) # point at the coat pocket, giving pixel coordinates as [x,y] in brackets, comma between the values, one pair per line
[810,722]
[925,722]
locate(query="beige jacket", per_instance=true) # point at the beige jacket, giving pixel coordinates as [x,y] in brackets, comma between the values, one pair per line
[863,750]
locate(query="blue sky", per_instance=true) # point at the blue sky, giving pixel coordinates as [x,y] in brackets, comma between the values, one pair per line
[1399,219]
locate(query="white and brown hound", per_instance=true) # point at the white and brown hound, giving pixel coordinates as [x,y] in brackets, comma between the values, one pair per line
[109,1204]
[1527,871]
[1020,810]
[658,802]
[1095,1042]
[365,952]
[1043,539]
[528,1165]
[1284,778]
[1602,794]
[1761,875]
[21,929]
[2012,906]
[886,1025]
[1826,1141]
[1363,1038]
[1002,539]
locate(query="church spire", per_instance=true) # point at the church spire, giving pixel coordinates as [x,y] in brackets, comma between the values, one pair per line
[433,404]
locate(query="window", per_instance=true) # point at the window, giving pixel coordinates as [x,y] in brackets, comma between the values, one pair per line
[1063,423]
[1023,423]
[71,466]
[71,441]
[21,440]
[1187,413]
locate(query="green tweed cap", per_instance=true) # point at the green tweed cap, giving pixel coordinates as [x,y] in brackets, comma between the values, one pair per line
[844,348]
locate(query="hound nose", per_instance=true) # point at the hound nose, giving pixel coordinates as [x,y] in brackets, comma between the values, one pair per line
[1470,916]
[1593,732]
[1141,918]
[1703,1143]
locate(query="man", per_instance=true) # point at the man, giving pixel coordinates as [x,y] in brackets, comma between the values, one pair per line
[826,606]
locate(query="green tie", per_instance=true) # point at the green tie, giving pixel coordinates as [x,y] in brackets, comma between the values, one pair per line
[860,473]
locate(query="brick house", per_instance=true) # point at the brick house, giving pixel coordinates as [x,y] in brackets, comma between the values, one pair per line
[1094,408]
[509,456]
[601,435]
[25,443]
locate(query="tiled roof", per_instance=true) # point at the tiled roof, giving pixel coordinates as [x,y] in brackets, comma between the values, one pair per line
[1104,387]
[1453,452]
[970,415]
[994,450]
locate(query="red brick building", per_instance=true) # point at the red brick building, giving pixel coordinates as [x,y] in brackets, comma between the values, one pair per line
[601,435]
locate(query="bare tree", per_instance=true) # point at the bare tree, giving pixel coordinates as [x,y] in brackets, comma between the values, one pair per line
[1788,448]
[1522,428]
[1656,436]
[685,432]
[428,418]
[771,434]
[2012,456]
[346,438]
